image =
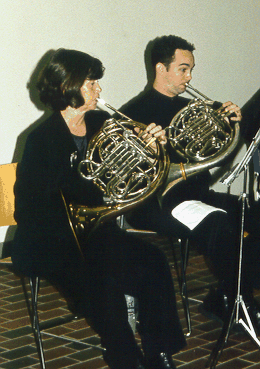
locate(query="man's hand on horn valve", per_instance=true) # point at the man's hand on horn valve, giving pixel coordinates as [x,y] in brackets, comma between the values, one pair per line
[234,110]
[151,134]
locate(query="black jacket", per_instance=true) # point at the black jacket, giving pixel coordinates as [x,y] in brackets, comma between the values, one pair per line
[43,230]
[251,117]
[152,106]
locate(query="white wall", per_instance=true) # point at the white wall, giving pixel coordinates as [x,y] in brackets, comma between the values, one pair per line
[225,33]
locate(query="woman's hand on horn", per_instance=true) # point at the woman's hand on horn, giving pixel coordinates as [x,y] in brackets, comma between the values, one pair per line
[151,134]
[233,109]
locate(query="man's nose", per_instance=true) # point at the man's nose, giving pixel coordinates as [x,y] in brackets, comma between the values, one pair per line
[188,77]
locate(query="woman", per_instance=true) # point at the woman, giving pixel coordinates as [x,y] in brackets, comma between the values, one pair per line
[114,263]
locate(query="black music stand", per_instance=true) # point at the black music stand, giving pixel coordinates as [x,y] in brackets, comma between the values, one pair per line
[239,304]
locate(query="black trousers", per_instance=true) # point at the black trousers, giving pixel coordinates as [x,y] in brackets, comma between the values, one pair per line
[216,237]
[118,264]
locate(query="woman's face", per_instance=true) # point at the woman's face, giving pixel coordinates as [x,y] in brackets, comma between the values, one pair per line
[90,91]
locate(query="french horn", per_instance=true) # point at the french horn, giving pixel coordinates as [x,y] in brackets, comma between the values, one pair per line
[202,136]
[125,168]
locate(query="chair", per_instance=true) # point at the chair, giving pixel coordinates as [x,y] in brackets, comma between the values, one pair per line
[7,180]
[184,255]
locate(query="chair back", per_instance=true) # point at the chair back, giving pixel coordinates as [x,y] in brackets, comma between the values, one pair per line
[7,180]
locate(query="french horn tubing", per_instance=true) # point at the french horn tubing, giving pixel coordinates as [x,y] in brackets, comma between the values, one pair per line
[202,136]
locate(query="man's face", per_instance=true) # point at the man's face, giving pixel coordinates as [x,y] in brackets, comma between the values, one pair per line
[173,81]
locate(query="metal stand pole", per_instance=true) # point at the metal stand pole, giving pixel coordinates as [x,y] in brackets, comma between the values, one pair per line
[239,305]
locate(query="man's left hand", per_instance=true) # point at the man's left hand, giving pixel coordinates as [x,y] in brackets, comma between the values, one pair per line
[152,132]
[233,108]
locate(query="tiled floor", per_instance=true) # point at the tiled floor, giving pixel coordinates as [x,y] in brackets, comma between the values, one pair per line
[17,346]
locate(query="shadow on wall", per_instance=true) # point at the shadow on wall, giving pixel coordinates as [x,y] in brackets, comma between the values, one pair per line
[34,97]
[6,246]
[150,73]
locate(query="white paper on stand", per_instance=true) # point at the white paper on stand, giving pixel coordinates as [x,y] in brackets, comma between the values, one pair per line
[191,213]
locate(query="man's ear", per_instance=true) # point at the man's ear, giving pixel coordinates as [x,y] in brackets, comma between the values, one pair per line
[160,68]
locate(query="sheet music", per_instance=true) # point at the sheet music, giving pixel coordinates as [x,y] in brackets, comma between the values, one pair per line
[191,213]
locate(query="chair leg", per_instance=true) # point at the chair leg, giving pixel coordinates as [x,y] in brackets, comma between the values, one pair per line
[131,309]
[34,283]
[184,252]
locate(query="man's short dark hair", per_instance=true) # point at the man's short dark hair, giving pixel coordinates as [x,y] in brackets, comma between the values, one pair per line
[60,81]
[163,49]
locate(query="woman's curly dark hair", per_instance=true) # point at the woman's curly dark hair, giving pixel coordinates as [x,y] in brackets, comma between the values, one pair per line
[60,81]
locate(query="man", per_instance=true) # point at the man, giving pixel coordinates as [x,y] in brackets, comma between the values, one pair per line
[172,61]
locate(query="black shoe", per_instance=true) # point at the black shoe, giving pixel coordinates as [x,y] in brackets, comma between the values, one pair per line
[215,305]
[161,361]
